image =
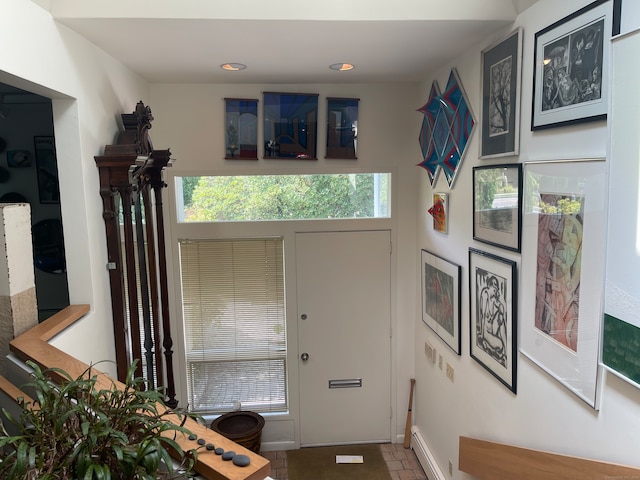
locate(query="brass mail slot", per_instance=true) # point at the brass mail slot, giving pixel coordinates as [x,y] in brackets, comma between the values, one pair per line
[346,383]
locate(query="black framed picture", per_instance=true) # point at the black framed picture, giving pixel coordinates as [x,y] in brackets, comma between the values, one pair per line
[492,307]
[342,128]
[241,129]
[497,205]
[501,73]
[571,65]
[290,125]
[47,168]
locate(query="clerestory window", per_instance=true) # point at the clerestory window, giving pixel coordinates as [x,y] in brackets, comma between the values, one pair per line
[283,197]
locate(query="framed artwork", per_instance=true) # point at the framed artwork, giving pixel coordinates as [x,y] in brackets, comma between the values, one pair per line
[493,299]
[18,158]
[441,298]
[342,128]
[564,272]
[447,126]
[501,72]
[620,340]
[571,65]
[497,205]
[290,125]
[47,168]
[440,212]
[241,129]
[621,329]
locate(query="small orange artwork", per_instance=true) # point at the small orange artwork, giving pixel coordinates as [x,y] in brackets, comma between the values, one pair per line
[439,212]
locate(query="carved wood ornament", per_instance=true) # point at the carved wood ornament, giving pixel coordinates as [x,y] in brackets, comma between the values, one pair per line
[131,189]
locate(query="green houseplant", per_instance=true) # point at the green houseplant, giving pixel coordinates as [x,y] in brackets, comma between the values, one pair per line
[75,429]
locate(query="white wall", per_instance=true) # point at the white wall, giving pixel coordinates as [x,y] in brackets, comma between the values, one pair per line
[544,414]
[189,119]
[53,61]
[89,91]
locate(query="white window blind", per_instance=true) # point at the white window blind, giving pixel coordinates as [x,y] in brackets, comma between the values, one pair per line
[234,320]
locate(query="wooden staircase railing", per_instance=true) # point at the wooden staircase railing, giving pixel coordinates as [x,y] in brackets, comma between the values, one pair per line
[34,345]
[498,461]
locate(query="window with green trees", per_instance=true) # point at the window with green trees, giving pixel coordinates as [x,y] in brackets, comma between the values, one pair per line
[283,197]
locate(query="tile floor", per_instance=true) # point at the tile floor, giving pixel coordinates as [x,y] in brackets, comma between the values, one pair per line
[402,463]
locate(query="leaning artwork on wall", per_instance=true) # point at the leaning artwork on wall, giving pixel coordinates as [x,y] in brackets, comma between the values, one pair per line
[492,307]
[563,271]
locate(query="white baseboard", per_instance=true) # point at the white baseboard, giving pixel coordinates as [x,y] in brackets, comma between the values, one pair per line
[425,457]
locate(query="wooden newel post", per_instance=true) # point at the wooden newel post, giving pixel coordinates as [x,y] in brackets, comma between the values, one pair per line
[129,171]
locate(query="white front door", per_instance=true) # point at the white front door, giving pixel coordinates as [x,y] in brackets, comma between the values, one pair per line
[344,330]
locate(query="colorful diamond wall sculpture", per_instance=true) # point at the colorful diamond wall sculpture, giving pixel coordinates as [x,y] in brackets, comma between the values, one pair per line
[447,125]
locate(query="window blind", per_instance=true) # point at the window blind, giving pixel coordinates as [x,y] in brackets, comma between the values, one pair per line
[234,320]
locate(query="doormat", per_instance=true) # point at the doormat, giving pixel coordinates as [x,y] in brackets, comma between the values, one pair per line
[319,463]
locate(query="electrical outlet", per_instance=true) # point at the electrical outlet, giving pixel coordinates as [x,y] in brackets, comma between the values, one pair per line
[450,372]
[450,467]
[430,352]
[440,362]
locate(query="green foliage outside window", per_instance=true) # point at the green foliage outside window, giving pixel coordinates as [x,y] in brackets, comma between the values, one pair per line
[285,197]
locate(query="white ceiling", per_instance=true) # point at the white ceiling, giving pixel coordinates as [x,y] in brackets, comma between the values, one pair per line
[285,41]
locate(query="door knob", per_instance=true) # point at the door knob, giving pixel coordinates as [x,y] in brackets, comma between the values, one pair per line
[304,356]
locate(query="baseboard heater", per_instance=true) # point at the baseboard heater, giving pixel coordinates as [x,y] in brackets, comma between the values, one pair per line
[424,455]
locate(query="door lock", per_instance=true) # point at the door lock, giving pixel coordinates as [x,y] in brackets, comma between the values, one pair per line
[304,357]
[303,316]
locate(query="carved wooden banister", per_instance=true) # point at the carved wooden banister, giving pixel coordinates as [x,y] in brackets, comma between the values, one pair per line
[131,189]
[34,345]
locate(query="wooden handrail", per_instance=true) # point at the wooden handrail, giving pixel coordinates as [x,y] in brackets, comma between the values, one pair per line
[34,345]
[497,461]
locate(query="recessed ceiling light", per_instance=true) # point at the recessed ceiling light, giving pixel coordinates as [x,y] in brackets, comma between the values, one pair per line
[342,67]
[233,67]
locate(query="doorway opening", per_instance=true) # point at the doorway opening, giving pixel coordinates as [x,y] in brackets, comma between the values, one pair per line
[29,174]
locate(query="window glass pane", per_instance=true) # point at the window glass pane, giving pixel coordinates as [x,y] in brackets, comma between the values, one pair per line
[234,321]
[283,197]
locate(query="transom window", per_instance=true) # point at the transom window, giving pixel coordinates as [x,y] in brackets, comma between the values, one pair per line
[283,197]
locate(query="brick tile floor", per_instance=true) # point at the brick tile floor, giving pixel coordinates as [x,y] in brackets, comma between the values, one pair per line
[402,463]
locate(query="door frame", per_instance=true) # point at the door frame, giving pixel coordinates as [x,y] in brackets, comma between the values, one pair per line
[282,430]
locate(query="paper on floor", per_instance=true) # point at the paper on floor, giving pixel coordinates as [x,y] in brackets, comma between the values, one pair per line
[349,459]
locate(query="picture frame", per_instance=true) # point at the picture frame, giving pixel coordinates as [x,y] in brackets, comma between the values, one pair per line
[497,205]
[571,65]
[18,158]
[342,128]
[441,298]
[241,129]
[493,325]
[47,169]
[561,326]
[440,212]
[501,80]
[290,125]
